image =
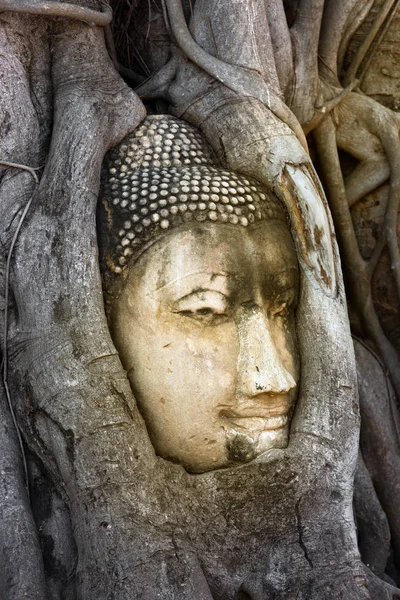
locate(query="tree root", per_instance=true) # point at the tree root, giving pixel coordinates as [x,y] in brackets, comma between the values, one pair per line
[390,6]
[305,36]
[373,123]
[157,85]
[52,8]
[4,369]
[21,566]
[281,43]
[379,589]
[379,438]
[359,272]
[339,23]
[366,177]
[372,524]
[378,124]
[322,111]
[245,83]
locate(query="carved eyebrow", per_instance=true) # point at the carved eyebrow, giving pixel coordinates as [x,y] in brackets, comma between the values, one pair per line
[212,276]
[199,290]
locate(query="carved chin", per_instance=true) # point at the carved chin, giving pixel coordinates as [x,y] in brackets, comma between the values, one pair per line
[244,446]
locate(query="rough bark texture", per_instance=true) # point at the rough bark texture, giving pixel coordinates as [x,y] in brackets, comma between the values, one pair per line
[107,518]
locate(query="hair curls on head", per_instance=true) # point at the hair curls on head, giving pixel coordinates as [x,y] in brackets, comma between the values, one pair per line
[159,177]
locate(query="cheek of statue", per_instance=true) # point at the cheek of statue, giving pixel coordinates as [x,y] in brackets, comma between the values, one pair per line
[210,347]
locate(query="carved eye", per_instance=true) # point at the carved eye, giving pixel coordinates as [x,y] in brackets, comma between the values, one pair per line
[206,311]
[205,315]
[206,306]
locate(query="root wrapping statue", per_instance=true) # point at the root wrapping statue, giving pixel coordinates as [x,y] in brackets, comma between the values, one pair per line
[214,294]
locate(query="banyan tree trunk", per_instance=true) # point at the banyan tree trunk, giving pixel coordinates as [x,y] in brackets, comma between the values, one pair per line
[119,522]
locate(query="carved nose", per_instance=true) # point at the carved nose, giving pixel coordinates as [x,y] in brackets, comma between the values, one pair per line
[260,368]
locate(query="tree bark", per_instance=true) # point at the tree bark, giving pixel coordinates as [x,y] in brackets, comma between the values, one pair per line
[134,525]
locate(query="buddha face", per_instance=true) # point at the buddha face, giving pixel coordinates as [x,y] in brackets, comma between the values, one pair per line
[205,328]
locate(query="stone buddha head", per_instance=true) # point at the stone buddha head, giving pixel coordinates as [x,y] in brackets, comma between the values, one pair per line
[201,283]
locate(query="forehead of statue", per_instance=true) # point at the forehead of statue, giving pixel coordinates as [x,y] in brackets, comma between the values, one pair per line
[220,256]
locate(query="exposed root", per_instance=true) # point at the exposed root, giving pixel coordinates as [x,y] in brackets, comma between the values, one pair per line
[366,178]
[359,273]
[304,34]
[379,589]
[157,85]
[390,6]
[12,165]
[391,143]
[372,524]
[51,8]
[21,558]
[245,83]
[4,369]
[326,107]
[381,125]
[379,437]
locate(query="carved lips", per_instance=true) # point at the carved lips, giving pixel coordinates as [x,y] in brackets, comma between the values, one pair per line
[257,418]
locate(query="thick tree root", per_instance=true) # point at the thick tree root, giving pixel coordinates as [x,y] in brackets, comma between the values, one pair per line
[21,566]
[372,525]
[358,271]
[52,8]
[240,80]
[380,439]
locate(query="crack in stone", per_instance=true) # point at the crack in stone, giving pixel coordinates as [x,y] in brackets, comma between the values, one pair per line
[300,529]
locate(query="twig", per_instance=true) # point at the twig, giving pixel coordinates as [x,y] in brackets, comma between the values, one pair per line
[149,21]
[30,170]
[52,8]
[13,165]
[356,17]
[166,17]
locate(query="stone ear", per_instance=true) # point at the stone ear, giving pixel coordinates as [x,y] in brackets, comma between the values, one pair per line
[311,225]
